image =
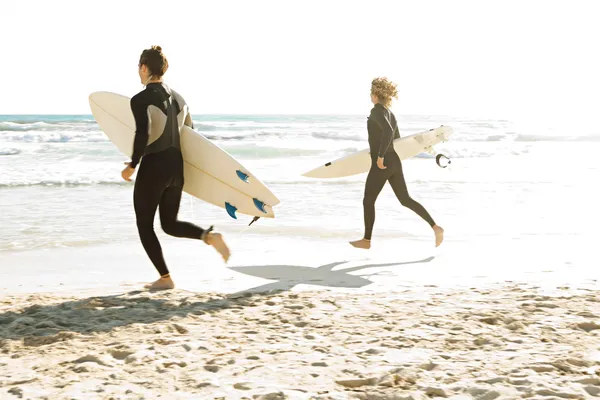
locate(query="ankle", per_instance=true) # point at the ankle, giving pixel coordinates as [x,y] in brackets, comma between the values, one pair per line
[206,234]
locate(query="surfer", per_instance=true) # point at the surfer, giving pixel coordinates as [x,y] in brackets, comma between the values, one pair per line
[386,166]
[159,181]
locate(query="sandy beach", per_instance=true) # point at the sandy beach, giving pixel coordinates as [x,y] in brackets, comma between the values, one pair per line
[503,343]
[342,325]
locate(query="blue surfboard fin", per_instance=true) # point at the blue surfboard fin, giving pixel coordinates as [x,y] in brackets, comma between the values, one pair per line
[231,210]
[244,177]
[260,205]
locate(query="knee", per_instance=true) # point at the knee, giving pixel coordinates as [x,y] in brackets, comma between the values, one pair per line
[145,227]
[369,201]
[406,200]
[168,226]
[144,223]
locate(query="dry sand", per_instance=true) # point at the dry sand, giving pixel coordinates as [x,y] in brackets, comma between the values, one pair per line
[506,342]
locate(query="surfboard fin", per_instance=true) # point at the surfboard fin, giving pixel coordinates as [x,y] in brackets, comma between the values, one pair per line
[260,205]
[231,210]
[244,177]
[254,220]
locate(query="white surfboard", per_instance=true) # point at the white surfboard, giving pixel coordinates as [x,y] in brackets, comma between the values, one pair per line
[360,162]
[210,173]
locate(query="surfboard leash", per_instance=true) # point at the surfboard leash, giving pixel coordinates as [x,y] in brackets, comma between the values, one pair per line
[439,157]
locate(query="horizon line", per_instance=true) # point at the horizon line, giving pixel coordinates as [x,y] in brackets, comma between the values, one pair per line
[274,114]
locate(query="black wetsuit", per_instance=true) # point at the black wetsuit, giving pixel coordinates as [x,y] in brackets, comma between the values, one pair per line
[383,129]
[159,181]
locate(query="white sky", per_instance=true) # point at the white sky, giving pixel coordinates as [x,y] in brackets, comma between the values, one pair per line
[507,59]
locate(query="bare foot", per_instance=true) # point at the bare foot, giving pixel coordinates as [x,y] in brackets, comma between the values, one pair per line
[361,244]
[161,284]
[439,235]
[216,240]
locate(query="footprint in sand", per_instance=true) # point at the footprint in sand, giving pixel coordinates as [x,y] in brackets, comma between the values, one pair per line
[588,326]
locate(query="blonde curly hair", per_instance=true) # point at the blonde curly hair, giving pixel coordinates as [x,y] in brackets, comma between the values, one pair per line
[384,90]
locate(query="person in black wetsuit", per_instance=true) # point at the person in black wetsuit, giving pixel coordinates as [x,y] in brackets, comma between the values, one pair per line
[386,166]
[159,182]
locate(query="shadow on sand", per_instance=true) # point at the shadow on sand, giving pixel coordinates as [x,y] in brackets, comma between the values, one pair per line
[288,276]
[44,324]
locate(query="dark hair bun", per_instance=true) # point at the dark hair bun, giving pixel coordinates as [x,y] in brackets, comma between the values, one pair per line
[155,60]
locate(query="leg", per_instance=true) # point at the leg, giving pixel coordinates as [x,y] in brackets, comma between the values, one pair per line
[169,208]
[375,182]
[399,186]
[146,197]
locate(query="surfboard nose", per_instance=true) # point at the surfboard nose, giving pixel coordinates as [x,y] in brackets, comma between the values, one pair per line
[100,96]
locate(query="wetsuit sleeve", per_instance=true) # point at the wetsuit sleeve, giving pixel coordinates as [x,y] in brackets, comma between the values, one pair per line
[140,114]
[387,133]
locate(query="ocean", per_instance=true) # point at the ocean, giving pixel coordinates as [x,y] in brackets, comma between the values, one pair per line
[60,183]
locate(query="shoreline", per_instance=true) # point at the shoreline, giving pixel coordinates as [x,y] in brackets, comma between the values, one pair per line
[308,264]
